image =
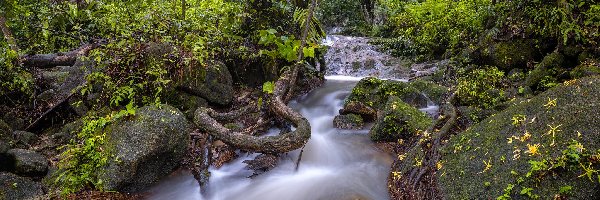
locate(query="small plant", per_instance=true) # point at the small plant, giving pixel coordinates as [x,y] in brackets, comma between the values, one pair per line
[481,87]
[527,191]
[518,120]
[533,149]
[507,192]
[268,87]
[83,159]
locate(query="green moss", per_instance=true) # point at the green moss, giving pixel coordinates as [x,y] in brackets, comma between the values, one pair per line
[510,54]
[432,90]
[588,68]
[375,92]
[572,111]
[543,76]
[398,121]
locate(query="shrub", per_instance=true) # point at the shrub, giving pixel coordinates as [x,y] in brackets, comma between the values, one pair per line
[481,87]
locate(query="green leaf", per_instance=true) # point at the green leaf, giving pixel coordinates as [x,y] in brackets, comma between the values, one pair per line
[268,87]
[309,52]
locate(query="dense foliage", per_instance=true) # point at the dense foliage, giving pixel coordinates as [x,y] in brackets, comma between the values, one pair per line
[143,48]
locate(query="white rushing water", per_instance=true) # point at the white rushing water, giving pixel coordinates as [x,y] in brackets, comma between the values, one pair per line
[336,164]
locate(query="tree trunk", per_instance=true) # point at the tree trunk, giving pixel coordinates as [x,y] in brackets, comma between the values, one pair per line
[183,9]
[7,34]
[299,63]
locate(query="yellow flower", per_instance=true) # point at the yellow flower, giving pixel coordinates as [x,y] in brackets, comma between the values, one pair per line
[551,103]
[397,175]
[401,157]
[525,136]
[533,149]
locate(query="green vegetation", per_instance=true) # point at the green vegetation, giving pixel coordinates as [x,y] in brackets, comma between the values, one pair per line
[140,52]
[431,27]
[481,87]
[83,160]
[399,121]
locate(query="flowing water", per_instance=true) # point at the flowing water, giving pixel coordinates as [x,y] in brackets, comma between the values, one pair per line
[336,164]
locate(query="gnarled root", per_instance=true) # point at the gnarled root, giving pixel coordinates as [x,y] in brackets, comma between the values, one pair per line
[205,119]
[420,182]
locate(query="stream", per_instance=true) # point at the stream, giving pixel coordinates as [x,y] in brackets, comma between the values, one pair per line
[336,164]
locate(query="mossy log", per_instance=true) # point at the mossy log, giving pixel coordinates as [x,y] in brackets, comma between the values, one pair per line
[57,59]
[205,119]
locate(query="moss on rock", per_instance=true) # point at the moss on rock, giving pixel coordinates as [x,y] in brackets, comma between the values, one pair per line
[510,54]
[431,89]
[398,120]
[375,92]
[500,151]
[348,121]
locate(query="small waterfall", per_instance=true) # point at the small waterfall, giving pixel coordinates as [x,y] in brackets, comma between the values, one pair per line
[354,56]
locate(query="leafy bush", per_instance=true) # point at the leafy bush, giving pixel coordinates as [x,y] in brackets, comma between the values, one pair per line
[12,76]
[433,26]
[481,87]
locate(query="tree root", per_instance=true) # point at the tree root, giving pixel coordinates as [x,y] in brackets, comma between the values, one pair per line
[416,185]
[205,119]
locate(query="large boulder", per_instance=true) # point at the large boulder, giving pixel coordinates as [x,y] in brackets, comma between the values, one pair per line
[15,187]
[27,163]
[398,120]
[213,83]
[547,147]
[147,147]
[509,54]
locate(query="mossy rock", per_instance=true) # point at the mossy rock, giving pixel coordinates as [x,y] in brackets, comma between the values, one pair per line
[348,121]
[367,91]
[16,187]
[433,91]
[185,102]
[213,83]
[550,66]
[571,110]
[146,148]
[6,133]
[359,108]
[398,120]
[510,54]
[590,67]
[375,92]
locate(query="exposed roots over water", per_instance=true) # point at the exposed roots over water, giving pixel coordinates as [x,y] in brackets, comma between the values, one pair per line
[244,140]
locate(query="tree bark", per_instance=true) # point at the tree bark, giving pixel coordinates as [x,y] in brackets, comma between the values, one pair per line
[7,34]
[56,59]
[269,144]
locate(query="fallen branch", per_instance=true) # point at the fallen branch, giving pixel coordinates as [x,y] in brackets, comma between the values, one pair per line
[56,59]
